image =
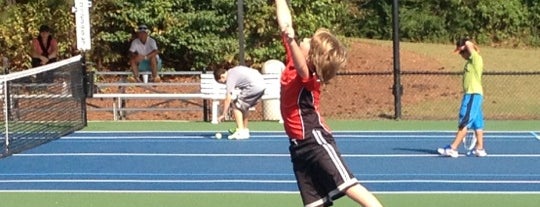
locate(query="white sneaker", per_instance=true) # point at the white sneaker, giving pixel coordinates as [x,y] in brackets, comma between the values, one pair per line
[479,152]
[448,151]
[240,134]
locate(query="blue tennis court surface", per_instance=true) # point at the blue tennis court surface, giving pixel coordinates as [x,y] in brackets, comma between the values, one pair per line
[194,161]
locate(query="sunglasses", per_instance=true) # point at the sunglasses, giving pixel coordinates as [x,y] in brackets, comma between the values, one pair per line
[142,28]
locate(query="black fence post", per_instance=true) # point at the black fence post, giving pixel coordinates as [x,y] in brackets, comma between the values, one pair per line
[205,104]
[397,89]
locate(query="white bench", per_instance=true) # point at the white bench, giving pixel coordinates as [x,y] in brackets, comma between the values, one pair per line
[212,90]
[209,90]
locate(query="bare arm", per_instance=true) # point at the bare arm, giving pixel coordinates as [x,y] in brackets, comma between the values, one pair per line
[54,52]
[34,53]
[470,46]
[226,104]
[284,18]
[152,54]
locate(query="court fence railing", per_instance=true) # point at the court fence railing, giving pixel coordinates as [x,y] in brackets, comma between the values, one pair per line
[426,95]
[430,95]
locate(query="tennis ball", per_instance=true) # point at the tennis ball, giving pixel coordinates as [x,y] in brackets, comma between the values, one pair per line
[218,135]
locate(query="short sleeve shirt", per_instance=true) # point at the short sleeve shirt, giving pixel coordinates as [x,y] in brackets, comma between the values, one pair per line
[37,47]
[248,80]
[472,74]
[143,48]
[299,101]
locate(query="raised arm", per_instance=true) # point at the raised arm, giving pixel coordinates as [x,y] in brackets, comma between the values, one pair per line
[284,19]
[283,14]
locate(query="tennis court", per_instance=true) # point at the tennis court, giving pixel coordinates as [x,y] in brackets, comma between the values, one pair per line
[168,168]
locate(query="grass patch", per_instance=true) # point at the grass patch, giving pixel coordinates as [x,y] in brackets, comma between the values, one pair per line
[495,59]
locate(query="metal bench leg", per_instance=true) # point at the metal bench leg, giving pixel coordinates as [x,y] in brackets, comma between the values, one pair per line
[115,112]
[215,111]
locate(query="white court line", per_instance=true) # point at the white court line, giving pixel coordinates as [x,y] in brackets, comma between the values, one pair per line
[239,155]
[531,182]
[536,135]
[280,131]
[255,135]
[142,181]
[258,192]
[337,134]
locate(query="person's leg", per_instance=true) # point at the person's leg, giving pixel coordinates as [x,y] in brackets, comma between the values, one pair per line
[154,68]
[241,131]
[245,115]
[361,195]
[479,133]
[134,64]
[451,150]
[479,122]
[460,135]
[238,117]
[464,123]
[478,125]
[246,119]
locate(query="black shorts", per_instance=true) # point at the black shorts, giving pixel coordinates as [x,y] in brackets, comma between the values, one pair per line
[245,101]
[320,171]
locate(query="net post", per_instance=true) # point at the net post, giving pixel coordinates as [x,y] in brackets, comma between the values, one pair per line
[85,88]
[5,91]
[6,117]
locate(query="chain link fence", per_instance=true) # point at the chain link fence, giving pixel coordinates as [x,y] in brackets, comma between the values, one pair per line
[430,96]
[426,96]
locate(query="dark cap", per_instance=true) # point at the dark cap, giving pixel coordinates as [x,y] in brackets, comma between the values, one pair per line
[142,28]
[44,28]
[460,43]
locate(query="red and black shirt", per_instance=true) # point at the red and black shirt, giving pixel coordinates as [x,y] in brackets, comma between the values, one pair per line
[300,101]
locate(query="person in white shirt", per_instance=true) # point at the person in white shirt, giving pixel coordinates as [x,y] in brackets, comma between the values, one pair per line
[143,48]
[250,84]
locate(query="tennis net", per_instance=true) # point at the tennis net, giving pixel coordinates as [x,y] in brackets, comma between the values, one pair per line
[41,104]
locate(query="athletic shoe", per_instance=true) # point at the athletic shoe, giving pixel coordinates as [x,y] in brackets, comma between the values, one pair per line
[240,134]
[448,151]
[479,152]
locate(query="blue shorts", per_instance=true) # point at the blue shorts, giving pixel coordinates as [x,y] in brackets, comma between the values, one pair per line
[470,113]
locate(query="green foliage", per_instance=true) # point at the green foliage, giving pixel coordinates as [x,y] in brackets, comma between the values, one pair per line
[197,34]
[194,34]
[20,23]
[502,22]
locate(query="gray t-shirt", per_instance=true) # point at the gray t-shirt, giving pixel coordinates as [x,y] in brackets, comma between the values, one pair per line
[248,80]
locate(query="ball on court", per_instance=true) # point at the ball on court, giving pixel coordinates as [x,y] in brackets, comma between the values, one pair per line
[218,135]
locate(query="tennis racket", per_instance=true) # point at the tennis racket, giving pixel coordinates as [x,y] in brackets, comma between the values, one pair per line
[469,142]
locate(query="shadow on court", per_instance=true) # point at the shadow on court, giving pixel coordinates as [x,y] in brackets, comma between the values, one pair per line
[425,151]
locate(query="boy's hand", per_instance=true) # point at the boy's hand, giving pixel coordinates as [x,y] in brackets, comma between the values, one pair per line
[221,118]
[288,30]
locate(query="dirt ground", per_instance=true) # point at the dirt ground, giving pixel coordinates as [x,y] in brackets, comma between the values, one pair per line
[347,97]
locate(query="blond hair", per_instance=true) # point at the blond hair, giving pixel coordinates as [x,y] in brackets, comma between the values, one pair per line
[327,54]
